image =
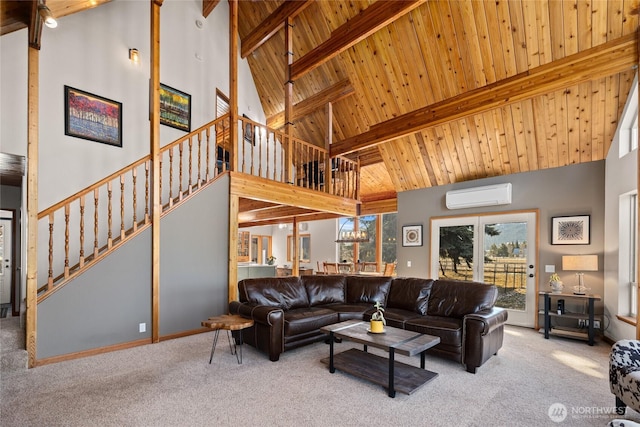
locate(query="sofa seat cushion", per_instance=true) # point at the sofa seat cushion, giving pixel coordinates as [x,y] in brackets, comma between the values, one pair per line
[349,311]
[301,320]
[449,329]
[410,294]
[395,317]
[457,298]
[324,289]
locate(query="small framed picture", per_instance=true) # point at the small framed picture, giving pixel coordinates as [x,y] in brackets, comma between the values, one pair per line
[175,108]
[248,131]
[570,230]
[411,235]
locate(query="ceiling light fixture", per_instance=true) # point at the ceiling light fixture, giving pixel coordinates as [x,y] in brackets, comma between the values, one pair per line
[45,13]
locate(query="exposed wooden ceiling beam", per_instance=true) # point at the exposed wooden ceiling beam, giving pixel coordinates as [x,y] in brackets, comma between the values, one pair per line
[208,6]
[275,213]
[245,205]
[377,16]
[303,108]
[603,60]
[317,216]
[271,25]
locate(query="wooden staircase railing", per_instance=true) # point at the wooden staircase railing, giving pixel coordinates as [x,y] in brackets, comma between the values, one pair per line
[104,215]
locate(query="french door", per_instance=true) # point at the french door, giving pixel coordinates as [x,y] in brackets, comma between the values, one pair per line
[498,249]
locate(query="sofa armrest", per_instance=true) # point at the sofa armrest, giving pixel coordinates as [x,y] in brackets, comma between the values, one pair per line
[488,320]
[483,333]
[267,333]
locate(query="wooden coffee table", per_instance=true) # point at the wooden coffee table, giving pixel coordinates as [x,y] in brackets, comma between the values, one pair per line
[387,372]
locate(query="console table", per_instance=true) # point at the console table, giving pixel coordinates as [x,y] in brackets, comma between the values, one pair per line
[570,332]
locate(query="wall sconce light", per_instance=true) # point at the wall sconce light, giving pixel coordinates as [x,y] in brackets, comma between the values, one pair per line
[45,13]
[134,56]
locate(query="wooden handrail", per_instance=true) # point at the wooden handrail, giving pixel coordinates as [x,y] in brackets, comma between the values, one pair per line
[90,188]
[262,152]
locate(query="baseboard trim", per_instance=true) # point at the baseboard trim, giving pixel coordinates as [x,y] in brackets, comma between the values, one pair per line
[91,352]
[115,347]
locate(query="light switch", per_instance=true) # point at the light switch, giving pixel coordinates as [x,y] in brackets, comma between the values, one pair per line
[550,268]
[408,263]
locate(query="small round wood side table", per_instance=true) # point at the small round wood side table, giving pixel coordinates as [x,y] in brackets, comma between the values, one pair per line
[228,322]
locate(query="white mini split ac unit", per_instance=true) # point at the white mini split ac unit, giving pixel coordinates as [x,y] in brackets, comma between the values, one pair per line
[489,195]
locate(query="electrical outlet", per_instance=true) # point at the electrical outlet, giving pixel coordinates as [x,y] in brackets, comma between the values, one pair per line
[142,327]
[584,323]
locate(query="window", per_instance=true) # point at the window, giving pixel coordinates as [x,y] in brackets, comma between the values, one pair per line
[367,251]
[222,103]
[628,131]
[304,246]
[383,248]
[389,231]
[633,253]
[628,255]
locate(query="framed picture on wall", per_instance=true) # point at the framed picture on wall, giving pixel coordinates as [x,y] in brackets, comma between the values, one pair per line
[570,230]
[411,235]
[92,117]
[175,108]
[248,131]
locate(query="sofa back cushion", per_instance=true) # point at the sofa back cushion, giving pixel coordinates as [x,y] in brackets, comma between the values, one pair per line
[368,289]
[410,294]
[282,292]
[456,298]
[324,289]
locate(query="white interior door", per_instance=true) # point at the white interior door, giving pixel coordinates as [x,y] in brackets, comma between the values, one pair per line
[497,249]
[5,261]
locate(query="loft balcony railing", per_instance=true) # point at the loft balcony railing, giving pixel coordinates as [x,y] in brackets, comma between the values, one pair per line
[85,227]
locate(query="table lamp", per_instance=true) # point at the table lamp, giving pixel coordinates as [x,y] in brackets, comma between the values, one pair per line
[580,263]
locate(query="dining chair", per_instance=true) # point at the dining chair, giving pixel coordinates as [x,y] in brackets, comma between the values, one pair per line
[369,266]
[345,267]
[331,268]
[389,269]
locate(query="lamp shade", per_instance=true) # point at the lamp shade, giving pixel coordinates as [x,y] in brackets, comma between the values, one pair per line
[580,262]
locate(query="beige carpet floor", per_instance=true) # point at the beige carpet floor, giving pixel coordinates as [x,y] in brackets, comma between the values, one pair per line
[172,384]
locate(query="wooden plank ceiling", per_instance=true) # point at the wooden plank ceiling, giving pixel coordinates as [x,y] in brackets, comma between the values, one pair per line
[453,90]
[429,93]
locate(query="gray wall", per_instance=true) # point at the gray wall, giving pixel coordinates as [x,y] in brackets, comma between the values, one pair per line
[568,190]
[194,260]
[103,306]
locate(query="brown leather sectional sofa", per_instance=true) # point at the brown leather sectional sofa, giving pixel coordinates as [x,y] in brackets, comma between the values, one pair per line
[288,312]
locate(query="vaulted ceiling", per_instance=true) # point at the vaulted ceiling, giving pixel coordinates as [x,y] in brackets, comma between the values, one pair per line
[428,93]
[449,91]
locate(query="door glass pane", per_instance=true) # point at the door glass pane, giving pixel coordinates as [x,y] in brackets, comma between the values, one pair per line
[456,252]
[505,262]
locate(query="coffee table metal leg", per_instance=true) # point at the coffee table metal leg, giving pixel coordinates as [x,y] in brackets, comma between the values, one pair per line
[422,357]
[213,347]
[332,368]
[392,391]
